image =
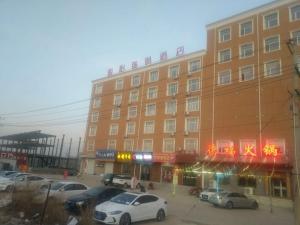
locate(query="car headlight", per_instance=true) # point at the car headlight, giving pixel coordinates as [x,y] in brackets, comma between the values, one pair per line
[115,212]
[80,203]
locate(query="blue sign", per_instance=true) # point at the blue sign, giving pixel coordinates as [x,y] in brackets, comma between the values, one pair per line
[106,154]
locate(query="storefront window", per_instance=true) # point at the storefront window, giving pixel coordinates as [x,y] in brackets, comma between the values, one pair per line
[167,174]
[247,181]
[145,173]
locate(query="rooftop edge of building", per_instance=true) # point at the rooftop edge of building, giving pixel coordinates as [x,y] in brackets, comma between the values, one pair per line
[243,15]
[152,66]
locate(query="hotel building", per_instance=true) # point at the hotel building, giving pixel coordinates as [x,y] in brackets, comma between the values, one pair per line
[220,116]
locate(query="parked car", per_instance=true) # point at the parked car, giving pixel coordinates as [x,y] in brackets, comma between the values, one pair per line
[8,183]
[124,181]
[61,190]
[231,200]
[108,178]
[207,193]
[128,207]
[5,173]
[91,198]
[30,181]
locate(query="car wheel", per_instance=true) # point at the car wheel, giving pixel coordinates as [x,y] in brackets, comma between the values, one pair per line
[125,220]
[229,205]
[126,185]
[254,205]
[160,216]
[9,188]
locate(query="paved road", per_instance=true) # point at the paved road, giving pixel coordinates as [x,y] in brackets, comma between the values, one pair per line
[184,209]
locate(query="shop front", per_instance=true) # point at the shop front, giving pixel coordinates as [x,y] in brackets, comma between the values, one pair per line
[143,160]
[166,164]
[105,159]
[124,163]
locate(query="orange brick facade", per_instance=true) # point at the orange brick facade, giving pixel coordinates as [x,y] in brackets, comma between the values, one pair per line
[244,108]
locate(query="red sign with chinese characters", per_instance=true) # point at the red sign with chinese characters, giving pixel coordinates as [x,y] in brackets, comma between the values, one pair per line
[164,158]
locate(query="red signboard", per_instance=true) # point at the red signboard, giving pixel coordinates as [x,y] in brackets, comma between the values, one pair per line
[164,157]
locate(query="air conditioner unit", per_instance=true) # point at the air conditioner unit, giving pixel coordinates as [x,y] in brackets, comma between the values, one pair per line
[189,73]
[173,94]
[187,113]
[172,134]
[248,190]
[117,104]
[125,136]
[188,93]
[186,133]
[127,118]
[175,78]
[173,113]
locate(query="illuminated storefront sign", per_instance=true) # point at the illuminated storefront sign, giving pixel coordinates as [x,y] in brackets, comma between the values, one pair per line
[270,150]
[124,156]
[164,158]
[143,157]
[106,154]
[248,147]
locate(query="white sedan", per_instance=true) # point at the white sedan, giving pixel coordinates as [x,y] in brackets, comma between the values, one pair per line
[206,194]
[62,190]
[130,207]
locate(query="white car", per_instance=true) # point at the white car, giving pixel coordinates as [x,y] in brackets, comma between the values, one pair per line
[206,194]
[30,181]
[61,190]
[128,207]
[8,183]
[124,181]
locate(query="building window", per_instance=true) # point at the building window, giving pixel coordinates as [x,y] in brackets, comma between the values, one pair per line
[135,80]
[90,145]
[224,145]
[132,111]
[194,66]
[224,55]
[130,128]
[97,103]
[116,112]
[134,96]
[174,71]
[119,84]
[246,28]
[272,44]
[296,37]
[247,181]
[170,126]
[149,127]
[151,109]
[95,117]
[224,77]
[224,34]
[246,50]
[153,76]
[114,128]
[295,13]
[191,124]
[193,85]
[171,107]
[147,145]
[98,89]
[271,20]
[172,89]
[117,100]
[112,144]
[152,92]
[169,145]
[272,68]
[128,145]
[247,73]
[92,131]
[192,104]
[248,147]
[191,144]
[279,145]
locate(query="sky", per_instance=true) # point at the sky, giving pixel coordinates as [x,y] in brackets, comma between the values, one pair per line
[51,50]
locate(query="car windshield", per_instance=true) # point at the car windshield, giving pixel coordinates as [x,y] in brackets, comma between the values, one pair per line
[56,186]
[108,175]
[124,199]
[94,191]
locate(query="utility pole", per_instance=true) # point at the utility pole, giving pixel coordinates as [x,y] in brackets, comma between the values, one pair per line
[295,51]
[78,150]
